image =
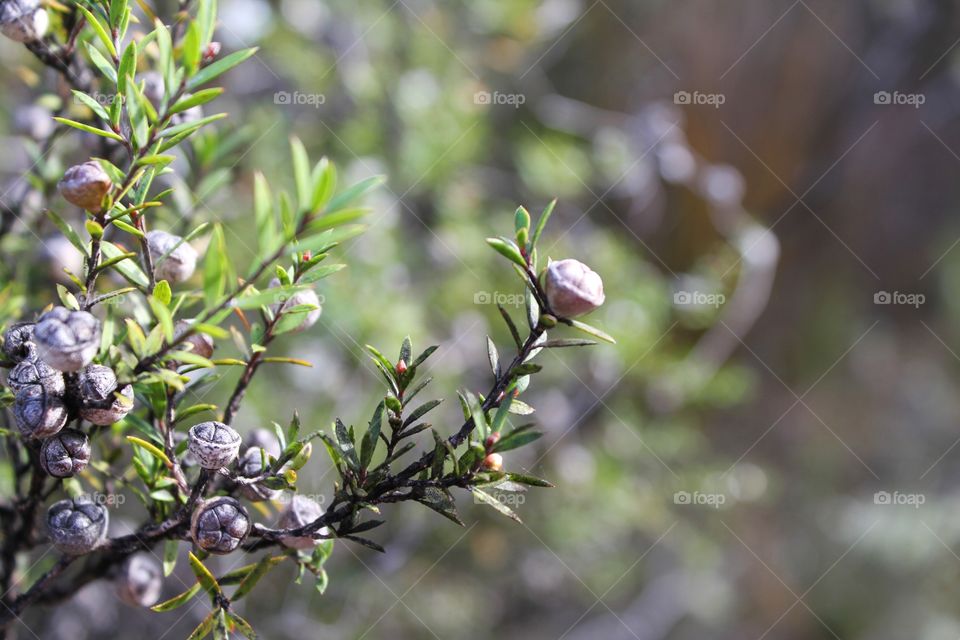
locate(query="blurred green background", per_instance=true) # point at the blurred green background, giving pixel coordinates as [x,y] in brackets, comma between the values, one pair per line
[718,470]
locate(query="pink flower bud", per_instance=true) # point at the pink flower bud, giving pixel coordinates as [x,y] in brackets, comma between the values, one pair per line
[572,288]
[493,462]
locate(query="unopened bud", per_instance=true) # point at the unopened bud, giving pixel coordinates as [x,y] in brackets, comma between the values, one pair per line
[211,51]
[492,439]
[85,185]
[572,288]
[401,367]
[493,462]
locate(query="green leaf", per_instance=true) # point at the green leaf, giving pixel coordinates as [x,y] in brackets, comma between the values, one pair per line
[215,267]
[263,214]
[486,498]
[493,357]
[162,292]
[319,273]
[170,551]
[205,627]
[129,228]
[440,500]
[242,626]
[127,67]
[68,232]
[324,183]
[277,295]
[372,437]
[476,411]
[500,417]
[207,19]
[529,480]
[204,578]
[190,127]
[421,411]
[593,331]
[87,128]
[516,439]
[67,298]
[94,106]
[354,192]
[199,98]
[219,67]
[191,48]
[507,249]
[542,222]
[105,67]
[154,450]
[346,445]
[126,268]
[99,29]
[259,570]
[176,601]
[301,173]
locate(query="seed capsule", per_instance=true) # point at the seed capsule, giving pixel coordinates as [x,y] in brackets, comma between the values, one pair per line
[23,20]
[572,288]
[214,444]
[37,413]
[15,340]
[32,371]
[77,526]
[65,454]
[85,185]
[179,265]
[219,525]
[96,394]
[300,512]
[140,581]
[67,340]
[250,466]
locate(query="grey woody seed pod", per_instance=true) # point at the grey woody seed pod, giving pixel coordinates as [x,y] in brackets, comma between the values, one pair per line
[214,444]
[264,439]
[77,526]
[572,288]
[176,267]
[67,340]
[300,511]
[15,340]
[85,185]
[219,525]
[202,344]
[305,296]
[251,465]
[23,20]
[37,413]
[65,454]
[34,371]
[140,581]
[96,394]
